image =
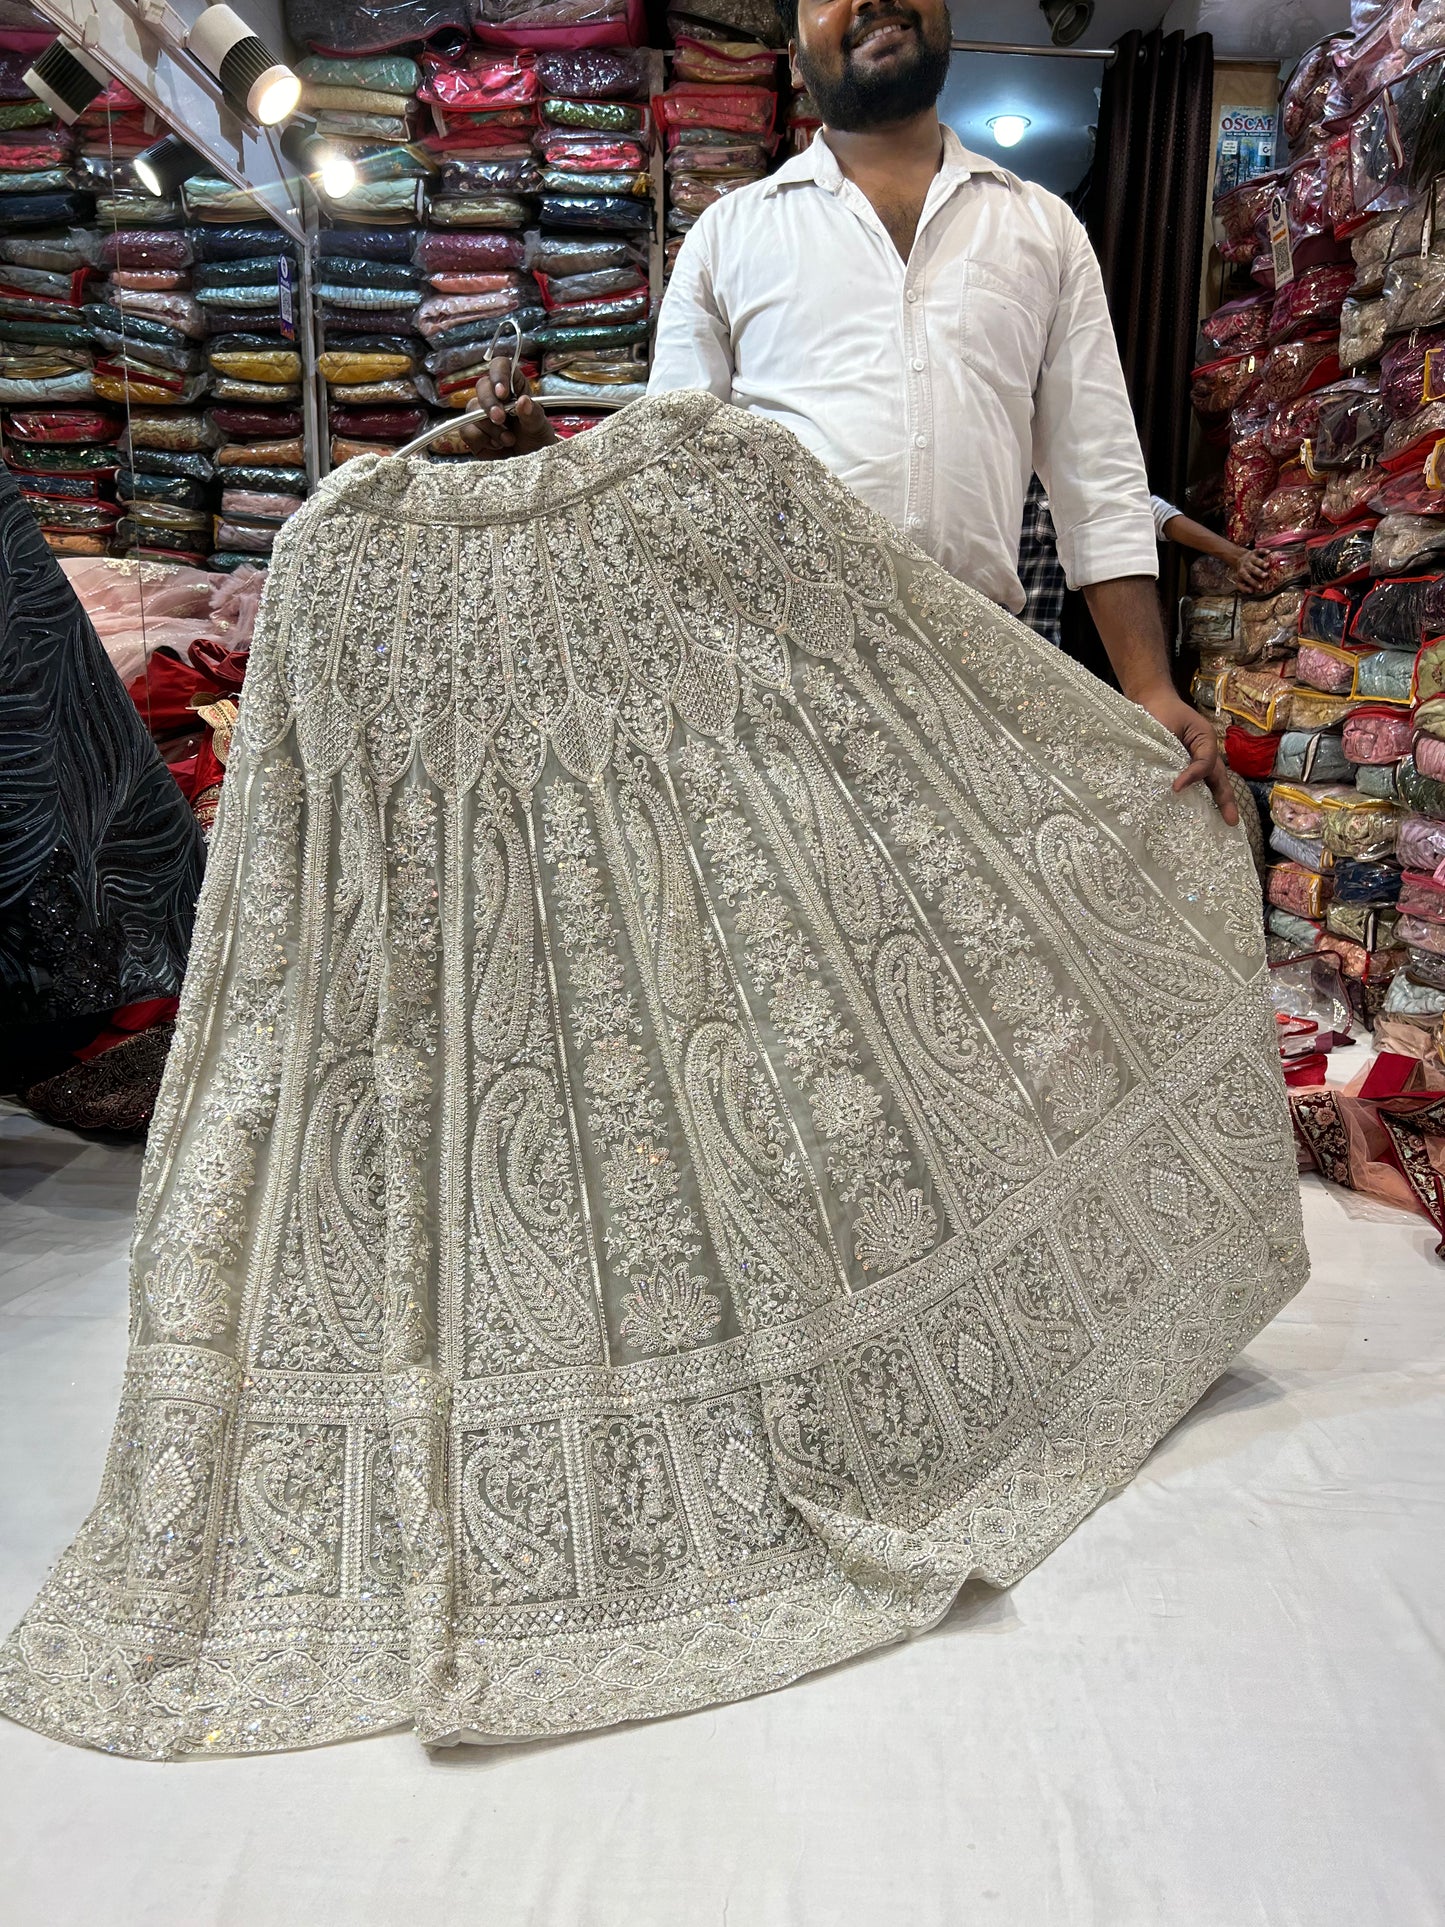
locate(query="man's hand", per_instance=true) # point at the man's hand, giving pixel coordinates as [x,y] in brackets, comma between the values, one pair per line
[1196,733]
[500,434]
[1251,571]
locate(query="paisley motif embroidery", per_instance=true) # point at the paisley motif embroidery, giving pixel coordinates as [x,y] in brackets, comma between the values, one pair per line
[718,1095]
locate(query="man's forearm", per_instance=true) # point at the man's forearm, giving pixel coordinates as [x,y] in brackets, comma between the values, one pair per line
[1126,613]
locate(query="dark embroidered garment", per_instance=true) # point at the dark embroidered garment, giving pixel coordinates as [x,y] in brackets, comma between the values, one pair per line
[719,1093]
[100,857]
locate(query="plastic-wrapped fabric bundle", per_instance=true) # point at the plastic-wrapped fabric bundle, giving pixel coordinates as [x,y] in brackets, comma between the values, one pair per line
[591,74]
[1340,559]
[1362,331]
[1398,614]
[283,452]
[1429,756]
[131,487]
[1311,756]
[1377,735]
[468,252]
[1291,512]
[1240,219]
[1377,780]
[1412,373]
[1299,891]
[1401,541]
[480,211]
[1350,424]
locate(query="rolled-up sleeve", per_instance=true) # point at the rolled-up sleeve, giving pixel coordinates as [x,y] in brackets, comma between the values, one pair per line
[693,345]
[1086,448]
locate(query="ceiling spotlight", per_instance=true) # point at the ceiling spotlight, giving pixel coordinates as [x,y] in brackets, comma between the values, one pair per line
[335,173]
[1069,20]
[1009,129]
[66,79]
[252,78]
[162,168]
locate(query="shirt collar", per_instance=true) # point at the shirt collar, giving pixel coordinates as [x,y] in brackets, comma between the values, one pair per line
[819,164]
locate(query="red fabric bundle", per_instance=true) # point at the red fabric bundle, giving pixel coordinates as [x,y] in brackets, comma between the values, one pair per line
[1248,754]
[162,695]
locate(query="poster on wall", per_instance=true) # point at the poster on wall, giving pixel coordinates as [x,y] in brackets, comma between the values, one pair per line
[1246,145]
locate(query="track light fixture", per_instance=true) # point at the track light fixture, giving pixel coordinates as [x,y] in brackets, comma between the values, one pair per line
[1069,20]
[67,79]
[255,82]
[334,173]
[163,167]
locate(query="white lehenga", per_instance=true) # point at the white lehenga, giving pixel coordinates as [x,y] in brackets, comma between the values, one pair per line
[718,1094]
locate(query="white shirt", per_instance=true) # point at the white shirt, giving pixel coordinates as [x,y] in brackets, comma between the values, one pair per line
[932,387]
[1163,513]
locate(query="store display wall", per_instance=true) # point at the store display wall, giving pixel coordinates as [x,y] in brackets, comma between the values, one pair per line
[1323,387]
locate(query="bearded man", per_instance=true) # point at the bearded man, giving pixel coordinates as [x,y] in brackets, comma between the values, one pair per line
[934,329]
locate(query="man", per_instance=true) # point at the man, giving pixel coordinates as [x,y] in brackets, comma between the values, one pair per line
[935,330]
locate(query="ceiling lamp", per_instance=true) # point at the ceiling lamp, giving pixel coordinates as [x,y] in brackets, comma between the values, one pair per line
[66,79]
[1009,129]
[255,82]
[163,167]
[1069,20]
[334,172]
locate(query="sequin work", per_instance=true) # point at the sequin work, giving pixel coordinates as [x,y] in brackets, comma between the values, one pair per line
[718,1094]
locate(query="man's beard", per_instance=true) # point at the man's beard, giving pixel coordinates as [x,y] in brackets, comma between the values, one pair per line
[858,100]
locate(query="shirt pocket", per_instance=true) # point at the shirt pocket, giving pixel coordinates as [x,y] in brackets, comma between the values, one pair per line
[1004,325]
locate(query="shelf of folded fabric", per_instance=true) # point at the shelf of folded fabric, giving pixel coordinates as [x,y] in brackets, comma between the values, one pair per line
[177,93]
[718,117]
[1321,393]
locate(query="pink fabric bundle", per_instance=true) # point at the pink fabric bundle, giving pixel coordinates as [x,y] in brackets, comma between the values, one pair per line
[475,284]
[149,280]
[1380,736]
[1429,753]
[443,311]
[135,612]
[180,311]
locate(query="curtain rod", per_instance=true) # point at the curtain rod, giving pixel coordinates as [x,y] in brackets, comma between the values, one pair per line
[1106,54]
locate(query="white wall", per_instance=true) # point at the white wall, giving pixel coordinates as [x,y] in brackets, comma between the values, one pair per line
[1259,29]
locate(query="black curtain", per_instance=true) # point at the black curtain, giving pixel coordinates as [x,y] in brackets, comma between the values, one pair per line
[1144,208]
[1145,216]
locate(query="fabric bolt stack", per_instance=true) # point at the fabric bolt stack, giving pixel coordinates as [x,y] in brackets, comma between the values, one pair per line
[718,117]
[591,255]
[1327,384]
[470,258]
[59,446]
[244,459]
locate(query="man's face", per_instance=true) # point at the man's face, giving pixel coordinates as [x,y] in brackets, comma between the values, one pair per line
[869,63]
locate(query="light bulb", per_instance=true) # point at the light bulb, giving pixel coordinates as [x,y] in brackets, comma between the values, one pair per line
[252,78]
[163,167]
[337,175]
[1009,129]
[332,170]
[276,96]
[65,79]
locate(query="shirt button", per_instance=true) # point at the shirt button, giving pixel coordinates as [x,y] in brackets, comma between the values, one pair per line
[918,364]
[913,294]
[915,521]
[920,441]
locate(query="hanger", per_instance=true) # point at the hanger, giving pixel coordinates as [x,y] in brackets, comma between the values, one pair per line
[474,414]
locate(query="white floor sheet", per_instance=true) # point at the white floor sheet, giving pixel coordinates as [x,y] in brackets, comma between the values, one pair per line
[1220,1704]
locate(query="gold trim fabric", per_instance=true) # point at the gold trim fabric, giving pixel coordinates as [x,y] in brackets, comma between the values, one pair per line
[718,1095]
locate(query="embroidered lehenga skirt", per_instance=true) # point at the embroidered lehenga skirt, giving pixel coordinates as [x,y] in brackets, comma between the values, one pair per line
[719,1094]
